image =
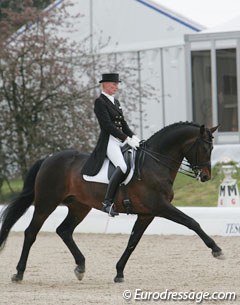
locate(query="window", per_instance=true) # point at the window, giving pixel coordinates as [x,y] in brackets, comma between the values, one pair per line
[227,89]
[201,87]
[226,78]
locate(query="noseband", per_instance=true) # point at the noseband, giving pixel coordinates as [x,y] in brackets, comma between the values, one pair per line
[196,166]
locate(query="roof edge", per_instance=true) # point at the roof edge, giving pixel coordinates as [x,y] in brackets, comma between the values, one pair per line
[204,36]
[197,27]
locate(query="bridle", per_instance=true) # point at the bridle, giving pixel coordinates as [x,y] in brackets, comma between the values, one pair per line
[196,166]
[193,169]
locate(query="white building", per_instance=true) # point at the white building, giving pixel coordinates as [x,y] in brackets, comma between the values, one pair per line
[194,70]
[154,37]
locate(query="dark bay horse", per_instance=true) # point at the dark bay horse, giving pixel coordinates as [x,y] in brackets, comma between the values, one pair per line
[57,180]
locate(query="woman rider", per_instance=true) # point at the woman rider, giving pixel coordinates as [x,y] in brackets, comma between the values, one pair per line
[115,132]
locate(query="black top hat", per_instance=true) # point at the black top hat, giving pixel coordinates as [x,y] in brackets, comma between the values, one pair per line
[110,77]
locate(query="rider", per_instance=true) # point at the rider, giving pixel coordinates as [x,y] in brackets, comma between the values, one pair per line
[115,132]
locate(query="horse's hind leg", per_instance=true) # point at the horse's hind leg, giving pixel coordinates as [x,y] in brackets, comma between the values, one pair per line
[172,213]
[77,212]
[31,232]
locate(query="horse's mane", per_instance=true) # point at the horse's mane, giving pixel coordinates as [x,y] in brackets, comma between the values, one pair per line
[173,126]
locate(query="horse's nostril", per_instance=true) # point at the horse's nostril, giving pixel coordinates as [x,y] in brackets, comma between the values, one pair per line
[205,178]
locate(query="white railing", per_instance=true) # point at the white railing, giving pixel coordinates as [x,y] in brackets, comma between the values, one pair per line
[224,221]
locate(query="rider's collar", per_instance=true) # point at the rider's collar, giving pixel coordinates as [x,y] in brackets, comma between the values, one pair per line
[110,97]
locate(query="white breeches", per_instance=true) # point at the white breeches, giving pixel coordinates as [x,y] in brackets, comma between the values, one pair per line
[114,153]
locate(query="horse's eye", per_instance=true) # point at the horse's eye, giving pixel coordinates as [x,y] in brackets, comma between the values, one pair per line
[208,148]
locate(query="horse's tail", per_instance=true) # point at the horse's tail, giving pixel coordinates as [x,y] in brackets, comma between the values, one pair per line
[14,210]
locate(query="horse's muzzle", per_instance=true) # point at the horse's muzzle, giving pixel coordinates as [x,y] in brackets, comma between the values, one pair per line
[205,174]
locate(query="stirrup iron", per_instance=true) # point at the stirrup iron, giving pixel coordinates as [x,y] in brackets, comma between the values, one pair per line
[109,209]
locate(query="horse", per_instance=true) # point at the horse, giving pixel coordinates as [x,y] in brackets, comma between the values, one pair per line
[57,180]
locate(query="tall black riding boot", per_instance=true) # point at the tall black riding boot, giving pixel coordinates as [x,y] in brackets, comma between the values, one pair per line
[114,182]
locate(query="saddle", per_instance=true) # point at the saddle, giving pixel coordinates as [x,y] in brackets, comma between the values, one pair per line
[134,160]
[105,173]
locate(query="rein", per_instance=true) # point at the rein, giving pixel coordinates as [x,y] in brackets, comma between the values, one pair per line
[192,171]
[158,158]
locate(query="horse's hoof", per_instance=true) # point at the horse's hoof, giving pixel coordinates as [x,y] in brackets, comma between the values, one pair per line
[79,272]
[17,278]
[118,279]
[218,255]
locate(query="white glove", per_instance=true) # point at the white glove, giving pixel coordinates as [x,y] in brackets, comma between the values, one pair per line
[136,138]
[133,143]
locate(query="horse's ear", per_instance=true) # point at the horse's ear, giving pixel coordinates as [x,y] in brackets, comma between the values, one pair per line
[213,129]
[202,130]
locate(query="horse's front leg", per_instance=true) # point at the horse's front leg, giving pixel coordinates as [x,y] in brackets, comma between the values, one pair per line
[172,213]
[139,227]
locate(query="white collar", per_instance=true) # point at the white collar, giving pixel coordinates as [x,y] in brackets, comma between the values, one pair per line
[110,97]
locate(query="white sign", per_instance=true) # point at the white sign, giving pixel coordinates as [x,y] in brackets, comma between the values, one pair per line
[228,195]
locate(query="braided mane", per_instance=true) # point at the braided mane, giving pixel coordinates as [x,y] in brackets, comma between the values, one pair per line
[172,127]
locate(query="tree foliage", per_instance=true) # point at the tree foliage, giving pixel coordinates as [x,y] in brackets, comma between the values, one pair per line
[44,106]
[15,7]
[48,83]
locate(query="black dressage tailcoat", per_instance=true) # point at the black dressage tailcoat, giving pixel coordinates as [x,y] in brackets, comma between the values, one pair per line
[111,121]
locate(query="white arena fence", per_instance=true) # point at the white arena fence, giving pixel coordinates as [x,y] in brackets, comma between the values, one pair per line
[223,221]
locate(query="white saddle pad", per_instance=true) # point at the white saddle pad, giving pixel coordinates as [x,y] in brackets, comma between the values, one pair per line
[102,176]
